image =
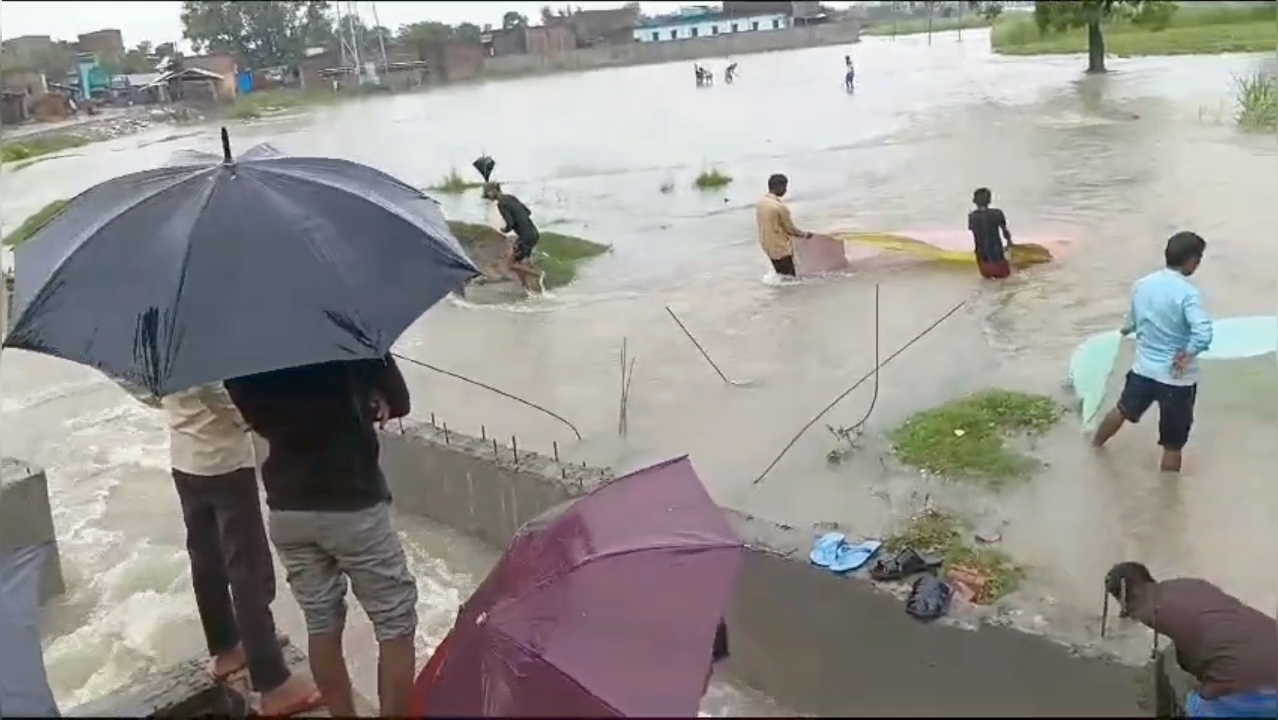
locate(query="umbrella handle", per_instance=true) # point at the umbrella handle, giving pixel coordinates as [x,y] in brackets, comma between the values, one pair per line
[226,147]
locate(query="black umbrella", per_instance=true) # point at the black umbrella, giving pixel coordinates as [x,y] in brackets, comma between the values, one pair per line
[217,268]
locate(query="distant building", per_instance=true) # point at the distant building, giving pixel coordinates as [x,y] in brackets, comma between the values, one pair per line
[26,51]
[701,23]
[541,40]
[604,27]
[107,44]
[220,69]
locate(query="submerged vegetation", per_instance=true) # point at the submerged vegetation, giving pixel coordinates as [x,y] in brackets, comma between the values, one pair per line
[265,103]
[965,438]
[454,184]
[33,223]
[556,254]
[20,150]
[711,179]
[1257,98]
[936,533]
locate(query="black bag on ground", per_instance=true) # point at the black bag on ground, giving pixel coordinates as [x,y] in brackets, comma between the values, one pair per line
[929,598]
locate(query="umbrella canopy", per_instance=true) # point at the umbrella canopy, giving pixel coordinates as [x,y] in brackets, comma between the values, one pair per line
[609,608]
[215,268]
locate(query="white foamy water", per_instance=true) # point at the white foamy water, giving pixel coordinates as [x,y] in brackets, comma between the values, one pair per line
[129,608]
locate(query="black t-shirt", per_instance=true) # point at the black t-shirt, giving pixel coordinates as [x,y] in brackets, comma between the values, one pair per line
[319,423]
[986,225]
[517,217]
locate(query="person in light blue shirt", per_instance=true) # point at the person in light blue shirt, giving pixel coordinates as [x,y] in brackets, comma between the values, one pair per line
[1172,330]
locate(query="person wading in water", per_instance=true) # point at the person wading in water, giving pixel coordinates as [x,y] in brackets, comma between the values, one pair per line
[1172,330]
[517,219]
[986,224]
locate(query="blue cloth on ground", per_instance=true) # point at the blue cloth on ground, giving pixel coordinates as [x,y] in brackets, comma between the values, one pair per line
[833,551]
[1253,704]
[24,685]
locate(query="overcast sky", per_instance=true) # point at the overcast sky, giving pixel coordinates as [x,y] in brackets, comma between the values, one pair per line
[157,20]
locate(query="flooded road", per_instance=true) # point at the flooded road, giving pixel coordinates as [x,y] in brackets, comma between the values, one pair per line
[1114,163]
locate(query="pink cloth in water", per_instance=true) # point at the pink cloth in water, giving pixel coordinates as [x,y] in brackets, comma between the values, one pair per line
[819,254]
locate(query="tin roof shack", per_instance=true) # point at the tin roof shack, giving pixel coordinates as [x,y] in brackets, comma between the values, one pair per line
[221,65]
[136,88]
[509,41]
[195,85]
[28,82]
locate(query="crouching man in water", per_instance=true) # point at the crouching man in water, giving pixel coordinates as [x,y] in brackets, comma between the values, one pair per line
[517,218]
[1230,647]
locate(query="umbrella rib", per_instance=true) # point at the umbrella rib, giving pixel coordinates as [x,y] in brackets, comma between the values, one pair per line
[127,207]
[558,670]
[280,169]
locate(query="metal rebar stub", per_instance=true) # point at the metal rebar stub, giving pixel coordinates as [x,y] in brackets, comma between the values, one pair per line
[554,445]
[446,440]
[496,456]
[514,448]
[483,433]
[432,420]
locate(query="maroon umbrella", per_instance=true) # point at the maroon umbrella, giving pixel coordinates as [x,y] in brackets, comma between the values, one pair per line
[607,608]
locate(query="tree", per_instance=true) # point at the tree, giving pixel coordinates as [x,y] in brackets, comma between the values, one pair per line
[513,19]
[469,32]
[547,15]
[258,33]
[1059,16]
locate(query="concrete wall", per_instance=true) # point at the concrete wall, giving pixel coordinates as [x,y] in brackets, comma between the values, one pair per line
[637,53]
[815,642]
[27,519]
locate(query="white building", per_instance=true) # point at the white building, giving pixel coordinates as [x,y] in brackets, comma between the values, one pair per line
[705,22]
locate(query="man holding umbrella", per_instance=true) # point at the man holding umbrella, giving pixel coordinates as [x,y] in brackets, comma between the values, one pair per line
[288,278]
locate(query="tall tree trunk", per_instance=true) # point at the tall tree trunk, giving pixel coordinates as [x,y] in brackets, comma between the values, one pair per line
[1095,48]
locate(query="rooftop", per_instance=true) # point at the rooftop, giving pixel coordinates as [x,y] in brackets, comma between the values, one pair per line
[684,18]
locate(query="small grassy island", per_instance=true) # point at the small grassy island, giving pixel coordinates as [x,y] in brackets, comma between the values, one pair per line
[964,438]
[556,254]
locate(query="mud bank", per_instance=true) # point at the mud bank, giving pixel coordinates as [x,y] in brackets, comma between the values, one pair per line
[813,641]
[27,519]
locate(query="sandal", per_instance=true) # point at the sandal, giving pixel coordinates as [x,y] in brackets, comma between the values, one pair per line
[902,565]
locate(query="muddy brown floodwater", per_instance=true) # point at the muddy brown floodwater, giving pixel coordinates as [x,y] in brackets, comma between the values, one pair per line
[1113,163]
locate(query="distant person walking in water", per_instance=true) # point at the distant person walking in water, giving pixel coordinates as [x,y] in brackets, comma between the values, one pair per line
[517,219]
[986,224]
[232,571]
[1172,330]
[1229,647]
[849,77]
[776,229]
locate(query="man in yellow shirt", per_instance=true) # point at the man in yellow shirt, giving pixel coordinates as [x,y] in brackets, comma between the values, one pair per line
[776,229]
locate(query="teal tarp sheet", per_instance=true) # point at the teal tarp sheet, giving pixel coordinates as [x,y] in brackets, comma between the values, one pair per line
[1094,360]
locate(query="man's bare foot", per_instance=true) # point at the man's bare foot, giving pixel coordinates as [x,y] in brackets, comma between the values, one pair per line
[297,694]
[228,663]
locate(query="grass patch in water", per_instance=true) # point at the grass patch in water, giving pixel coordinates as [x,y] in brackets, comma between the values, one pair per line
[916,26]
[556,254]
[964,438]
[933,532]
[1257,98]
[454,184]
[264,103]
[20,150]
[711,179]
[35,222]
[1194,29]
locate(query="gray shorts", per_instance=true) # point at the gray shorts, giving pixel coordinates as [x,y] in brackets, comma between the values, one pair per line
[320,550]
